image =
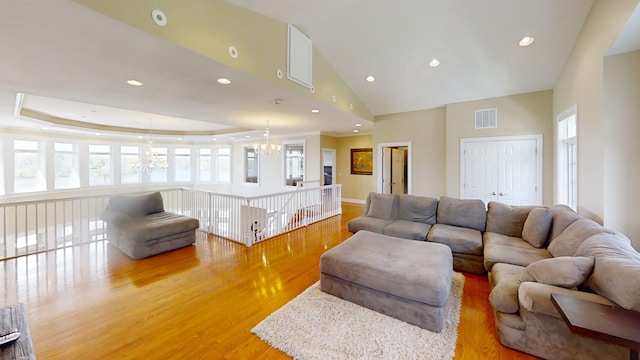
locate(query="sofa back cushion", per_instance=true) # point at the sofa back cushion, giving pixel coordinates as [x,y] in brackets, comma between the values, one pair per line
[506,219]
[570,239]
[466,213]
[417,208]
[537,227]
[137,205]
[562,216]
[153,203]
[382,206]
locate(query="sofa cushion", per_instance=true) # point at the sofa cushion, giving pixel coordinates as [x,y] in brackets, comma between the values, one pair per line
[504,294]
[567,243]
[382,206]
[605,244]
[407,230]
[499,248]
[417,208]
[459,239]
[506,219]
[466,213]
[537,226]
[618,279]
[153,203]
[367,223]
[563,271]
[562,216]
[158,225]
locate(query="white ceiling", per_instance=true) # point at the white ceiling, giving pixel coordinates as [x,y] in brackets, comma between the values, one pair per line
[58,50]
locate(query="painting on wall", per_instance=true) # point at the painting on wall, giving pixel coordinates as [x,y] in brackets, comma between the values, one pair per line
[362,161]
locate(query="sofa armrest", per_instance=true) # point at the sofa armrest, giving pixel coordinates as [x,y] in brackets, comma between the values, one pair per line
[536,297]
[115,218]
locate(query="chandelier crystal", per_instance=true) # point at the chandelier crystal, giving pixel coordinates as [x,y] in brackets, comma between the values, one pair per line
[150,160]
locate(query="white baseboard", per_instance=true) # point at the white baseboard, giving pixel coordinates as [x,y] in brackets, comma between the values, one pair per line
[355,201]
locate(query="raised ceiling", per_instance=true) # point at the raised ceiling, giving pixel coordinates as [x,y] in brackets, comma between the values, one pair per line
[60,50]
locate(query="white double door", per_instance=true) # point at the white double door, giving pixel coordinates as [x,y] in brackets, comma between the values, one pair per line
[503,169]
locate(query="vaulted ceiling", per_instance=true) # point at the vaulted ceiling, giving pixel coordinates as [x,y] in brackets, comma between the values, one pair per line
[71,63]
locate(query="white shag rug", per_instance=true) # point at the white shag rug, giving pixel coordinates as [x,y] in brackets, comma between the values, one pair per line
[316,325]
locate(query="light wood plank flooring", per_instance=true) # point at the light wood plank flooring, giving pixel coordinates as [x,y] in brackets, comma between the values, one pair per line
[200,302]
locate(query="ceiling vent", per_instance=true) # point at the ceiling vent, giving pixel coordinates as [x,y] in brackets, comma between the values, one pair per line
[487,118]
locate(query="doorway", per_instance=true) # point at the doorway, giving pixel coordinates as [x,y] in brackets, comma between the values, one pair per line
[328,166]
[505,169]
[395,169]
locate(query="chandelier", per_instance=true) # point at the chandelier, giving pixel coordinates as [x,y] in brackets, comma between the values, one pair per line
[267,148]
[150,160]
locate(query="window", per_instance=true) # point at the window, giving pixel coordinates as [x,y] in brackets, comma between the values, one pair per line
[204,165]
[100,165]
[183,164]
[250,165]
[223,164]
[130,165]
[66,166]
[29,167]
[568,158]
[293,163]
[159,173]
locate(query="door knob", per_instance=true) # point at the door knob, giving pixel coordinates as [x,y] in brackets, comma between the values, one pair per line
[502,194]
[494,193]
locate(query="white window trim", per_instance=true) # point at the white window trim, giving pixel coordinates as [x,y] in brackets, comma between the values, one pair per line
[284,160]
[560,179]
[244,166]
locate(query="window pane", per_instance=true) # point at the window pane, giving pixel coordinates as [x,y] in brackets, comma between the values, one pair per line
[183,164]
[130,172]
[223,165]
[294,163]
[100,169]
[105,149]
[204,165]
[158,164]
[25,145]
[27,176]
[251,165]
[65,175]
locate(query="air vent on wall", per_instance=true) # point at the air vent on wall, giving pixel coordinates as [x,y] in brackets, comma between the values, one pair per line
[487,118]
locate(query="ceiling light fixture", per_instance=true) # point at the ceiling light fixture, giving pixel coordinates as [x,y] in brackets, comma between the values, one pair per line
[267,148]
[434,62]
[370,78]
[315,111]
[356,131]
[150,160]
[526,41]
[224,81]
[134,82]
[358,124]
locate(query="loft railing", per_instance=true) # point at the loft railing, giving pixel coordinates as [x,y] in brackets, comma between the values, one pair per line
[28,227]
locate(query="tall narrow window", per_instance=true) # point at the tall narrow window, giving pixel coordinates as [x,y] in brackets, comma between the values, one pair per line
[160,174]
[66,166]
[204,165]
[568,158]
[100,165]
[29,167]
[183,164]
[293,163]
[130,165]
[223,164]
[250,165]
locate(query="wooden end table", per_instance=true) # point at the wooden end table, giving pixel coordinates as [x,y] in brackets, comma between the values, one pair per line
[603,322]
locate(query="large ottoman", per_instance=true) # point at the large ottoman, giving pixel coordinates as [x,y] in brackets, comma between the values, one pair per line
[406,279]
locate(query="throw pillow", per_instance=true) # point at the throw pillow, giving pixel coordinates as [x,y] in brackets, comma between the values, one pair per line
[568,241]
[617,278]
[537,226]
[564,271]
[506,219]
[381,206]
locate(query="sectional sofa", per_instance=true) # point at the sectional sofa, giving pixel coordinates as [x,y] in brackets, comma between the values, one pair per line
[528,253]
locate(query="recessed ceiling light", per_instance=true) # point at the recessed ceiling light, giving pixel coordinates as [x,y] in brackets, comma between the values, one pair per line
[224,81]
[370,78]
[214,139]
[358,125]
[356,131]
[315,111]
[140,137]
[247,136]
[45,128]
[179,139]
[232,138]
[97,134]
[434,63]
[526,41]
[134,82]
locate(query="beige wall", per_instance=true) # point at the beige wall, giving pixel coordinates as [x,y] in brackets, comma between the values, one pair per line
[581,83]
[354,187]
[424,129]
[621,143]
[523,114]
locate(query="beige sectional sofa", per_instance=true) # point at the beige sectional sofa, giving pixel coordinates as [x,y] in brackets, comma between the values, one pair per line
[530,253]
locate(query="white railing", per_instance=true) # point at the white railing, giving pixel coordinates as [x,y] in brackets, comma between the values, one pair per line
[252,219]
[28,227]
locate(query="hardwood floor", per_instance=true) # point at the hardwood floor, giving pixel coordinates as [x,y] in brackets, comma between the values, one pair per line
[199,302]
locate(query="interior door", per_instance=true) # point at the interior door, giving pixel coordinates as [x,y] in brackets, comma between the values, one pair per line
[517,172]
[386,171]
[480,171]
[397,171]
[501,170]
